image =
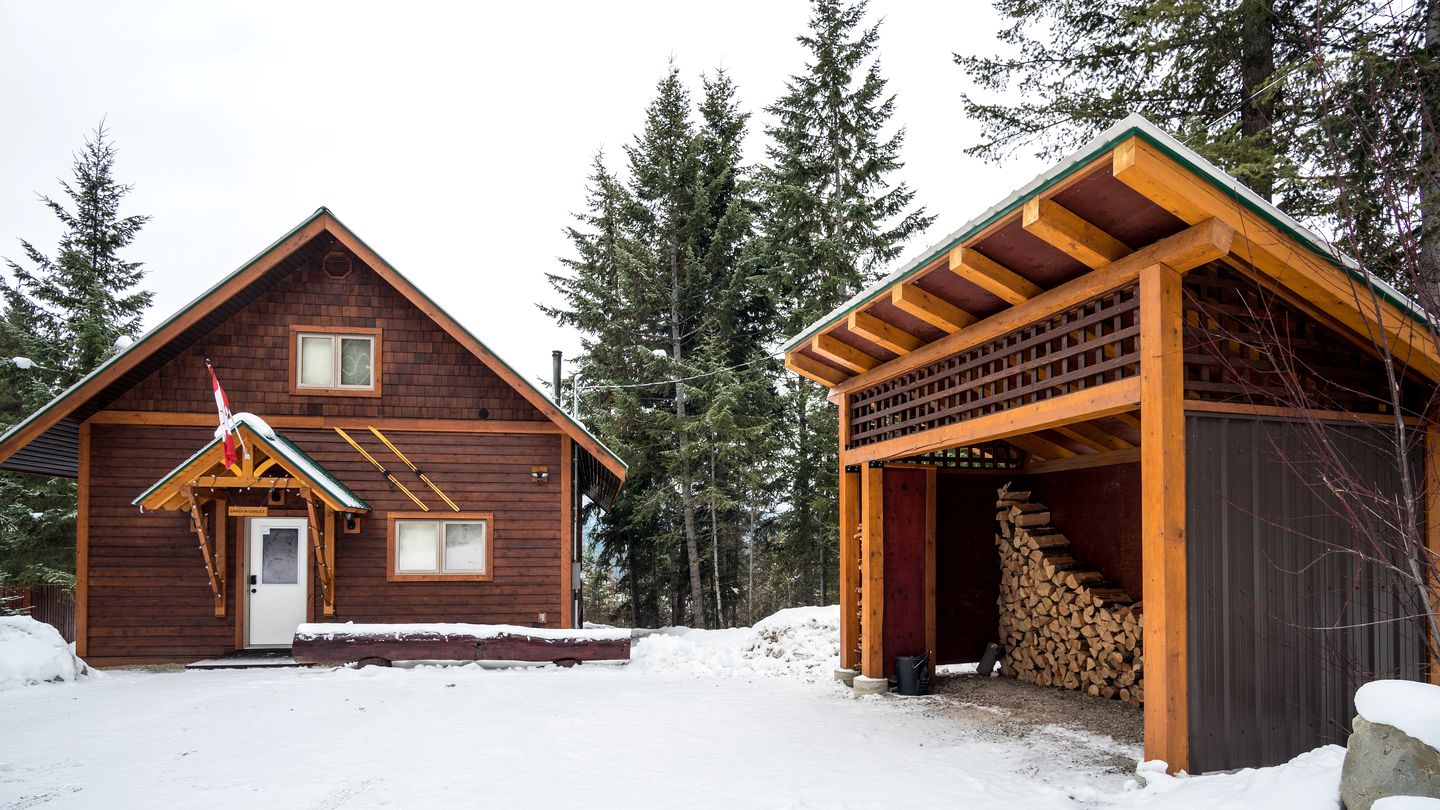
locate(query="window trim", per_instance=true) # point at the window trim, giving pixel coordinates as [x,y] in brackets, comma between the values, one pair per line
[376,354]
[448,517]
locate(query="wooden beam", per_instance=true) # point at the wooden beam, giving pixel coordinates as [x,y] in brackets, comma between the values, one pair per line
[282,422]
[317,542]
[1063,229]
[810,368]
[1270,251]
[1089,403]
[1041,446]
[222,542]
[82,544]
[1084,462]
[931,309]
[1191,247]
[991,276]
[872,557]
[882,333]
[197,524]
[833,349]
[1292,414]
[329,603]
[849,569]
[1162,516]
[1090,435]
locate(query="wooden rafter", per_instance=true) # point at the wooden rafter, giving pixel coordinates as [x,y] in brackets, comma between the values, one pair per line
[991,276]
[810,368]
[1093,436]
[832,349]
[1065,230]
[882,333]
[929,308]
[1041,447]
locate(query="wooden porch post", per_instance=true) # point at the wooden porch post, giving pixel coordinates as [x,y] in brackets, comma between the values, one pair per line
[872,556]
[1162,516]
[329,593]
[849,568]
[222,539]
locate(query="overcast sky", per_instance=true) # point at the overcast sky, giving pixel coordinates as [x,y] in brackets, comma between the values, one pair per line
[455,139]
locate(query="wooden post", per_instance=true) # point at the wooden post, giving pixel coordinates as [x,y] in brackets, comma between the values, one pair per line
[567,530]
[82,545]
[930,477]
[849,578]
[872,556]
[329,596]
[222,539]
[1162,516]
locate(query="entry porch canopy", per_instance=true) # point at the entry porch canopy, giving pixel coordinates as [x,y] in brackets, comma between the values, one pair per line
[1050,334]
[268,461]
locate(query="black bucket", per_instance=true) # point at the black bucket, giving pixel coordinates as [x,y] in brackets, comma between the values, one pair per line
[913,674]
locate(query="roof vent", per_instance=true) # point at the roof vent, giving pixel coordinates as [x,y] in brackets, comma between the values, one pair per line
[337,264]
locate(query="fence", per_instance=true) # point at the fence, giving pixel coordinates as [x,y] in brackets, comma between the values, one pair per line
[52,604]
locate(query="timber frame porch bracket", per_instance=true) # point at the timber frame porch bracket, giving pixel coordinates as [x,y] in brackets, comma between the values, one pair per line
[268,461]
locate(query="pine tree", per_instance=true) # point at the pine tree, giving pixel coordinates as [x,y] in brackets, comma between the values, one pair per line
[64,314]
[832,222]
[674,371]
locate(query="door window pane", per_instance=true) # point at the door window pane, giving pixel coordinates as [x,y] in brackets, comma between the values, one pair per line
[355,361]
[465,547]
[317,361]
[415,546]
[280,557]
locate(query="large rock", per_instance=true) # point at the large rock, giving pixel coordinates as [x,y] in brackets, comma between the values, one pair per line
[1382,761]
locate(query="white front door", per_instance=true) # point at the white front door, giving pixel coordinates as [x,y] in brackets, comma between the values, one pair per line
[276,581]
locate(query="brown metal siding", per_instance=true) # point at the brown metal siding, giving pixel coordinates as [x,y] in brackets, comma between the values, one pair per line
[1280,633]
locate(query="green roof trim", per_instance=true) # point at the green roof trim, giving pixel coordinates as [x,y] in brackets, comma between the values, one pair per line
[1134,125]
[297,461]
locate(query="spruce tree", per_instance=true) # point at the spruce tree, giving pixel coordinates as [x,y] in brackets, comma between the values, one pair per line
[832,221]
[64,314]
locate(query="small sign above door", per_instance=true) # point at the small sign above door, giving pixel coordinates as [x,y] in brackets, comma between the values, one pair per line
[249,511]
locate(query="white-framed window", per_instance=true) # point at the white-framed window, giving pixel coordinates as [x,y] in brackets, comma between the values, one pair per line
[336,361]
[455,547]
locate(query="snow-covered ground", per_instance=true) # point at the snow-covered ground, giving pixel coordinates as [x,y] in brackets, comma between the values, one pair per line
[736,718]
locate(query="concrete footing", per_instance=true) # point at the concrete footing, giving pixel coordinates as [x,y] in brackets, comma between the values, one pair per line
[846,676]
[870,686]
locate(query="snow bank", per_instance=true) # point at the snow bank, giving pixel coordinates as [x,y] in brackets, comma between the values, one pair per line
[1310,781]
[797,642]
[1410,706]
[328,630]
[1406,803]
[33,652]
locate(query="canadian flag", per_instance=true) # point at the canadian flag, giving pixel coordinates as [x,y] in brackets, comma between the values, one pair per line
[222,406]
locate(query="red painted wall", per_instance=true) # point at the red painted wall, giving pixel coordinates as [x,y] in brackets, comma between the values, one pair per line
[1098,509]
[904,631]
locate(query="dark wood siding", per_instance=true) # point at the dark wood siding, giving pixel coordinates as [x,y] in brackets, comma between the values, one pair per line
[426,374]
[1282,628]
[1098,510]
[148,594]
[904,616]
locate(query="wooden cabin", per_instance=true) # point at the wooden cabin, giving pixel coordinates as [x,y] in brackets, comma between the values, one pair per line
[1093,361]
[391,467]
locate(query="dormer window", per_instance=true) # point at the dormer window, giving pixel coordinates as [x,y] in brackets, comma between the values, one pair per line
[335,361]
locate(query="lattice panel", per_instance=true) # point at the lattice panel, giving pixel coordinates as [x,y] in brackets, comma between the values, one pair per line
[1245,344]
[1090,344]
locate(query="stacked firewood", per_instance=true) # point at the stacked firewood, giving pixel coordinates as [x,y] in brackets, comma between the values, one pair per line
[1061,623]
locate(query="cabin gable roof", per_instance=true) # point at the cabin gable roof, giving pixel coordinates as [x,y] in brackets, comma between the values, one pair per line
[48,434]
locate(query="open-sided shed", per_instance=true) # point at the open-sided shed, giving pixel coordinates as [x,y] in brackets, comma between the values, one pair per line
[1104,341]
